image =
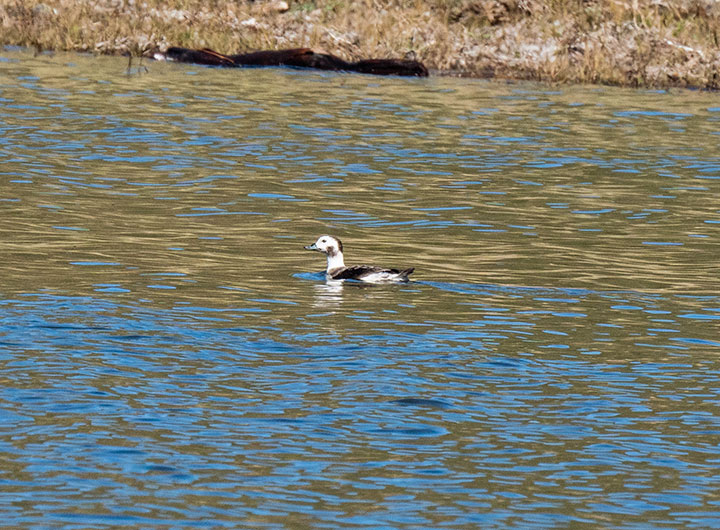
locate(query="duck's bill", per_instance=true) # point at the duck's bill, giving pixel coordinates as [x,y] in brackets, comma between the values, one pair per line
[311,247]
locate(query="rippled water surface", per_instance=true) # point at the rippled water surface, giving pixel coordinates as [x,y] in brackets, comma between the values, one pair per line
[171,357]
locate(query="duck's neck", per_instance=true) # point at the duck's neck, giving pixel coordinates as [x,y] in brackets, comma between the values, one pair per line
[335,261]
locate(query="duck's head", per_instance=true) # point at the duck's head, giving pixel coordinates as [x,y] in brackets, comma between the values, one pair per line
[327,245]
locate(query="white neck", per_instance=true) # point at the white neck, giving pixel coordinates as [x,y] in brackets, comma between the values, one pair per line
[335,261]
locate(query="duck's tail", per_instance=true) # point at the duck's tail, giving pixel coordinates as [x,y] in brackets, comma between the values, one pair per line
[405,273]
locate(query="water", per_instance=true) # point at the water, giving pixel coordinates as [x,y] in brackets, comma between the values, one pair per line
[170,356]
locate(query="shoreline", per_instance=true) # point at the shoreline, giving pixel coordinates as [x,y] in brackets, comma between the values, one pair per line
[638,43]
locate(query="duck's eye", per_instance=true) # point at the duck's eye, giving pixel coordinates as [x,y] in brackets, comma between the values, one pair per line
[323,241]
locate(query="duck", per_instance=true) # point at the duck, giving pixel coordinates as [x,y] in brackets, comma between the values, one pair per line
[332,247]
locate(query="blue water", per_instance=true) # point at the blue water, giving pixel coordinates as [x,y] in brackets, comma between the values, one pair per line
[171,357]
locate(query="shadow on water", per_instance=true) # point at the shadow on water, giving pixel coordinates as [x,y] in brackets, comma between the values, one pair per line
[168,359]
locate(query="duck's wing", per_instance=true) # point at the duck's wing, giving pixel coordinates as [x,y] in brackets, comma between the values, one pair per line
[362,272]
[353,273]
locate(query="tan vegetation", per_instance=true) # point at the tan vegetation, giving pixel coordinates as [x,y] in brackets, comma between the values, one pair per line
[623,42]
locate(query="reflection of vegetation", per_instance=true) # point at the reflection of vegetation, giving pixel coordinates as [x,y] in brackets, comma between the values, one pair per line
[626,42]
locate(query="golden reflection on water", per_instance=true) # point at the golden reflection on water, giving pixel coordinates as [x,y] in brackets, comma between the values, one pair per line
[219,177]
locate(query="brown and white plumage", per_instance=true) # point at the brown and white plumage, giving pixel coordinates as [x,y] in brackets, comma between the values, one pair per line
[336,270]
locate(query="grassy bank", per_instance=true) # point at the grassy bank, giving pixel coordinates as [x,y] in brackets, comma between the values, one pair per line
[654,43]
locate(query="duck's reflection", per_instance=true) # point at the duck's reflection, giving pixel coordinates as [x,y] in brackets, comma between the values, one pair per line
[331,294]
[328,295]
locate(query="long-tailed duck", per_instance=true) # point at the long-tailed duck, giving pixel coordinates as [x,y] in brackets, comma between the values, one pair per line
[336,269]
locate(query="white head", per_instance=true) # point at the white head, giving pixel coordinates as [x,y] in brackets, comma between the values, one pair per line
[332,247]
[327,244]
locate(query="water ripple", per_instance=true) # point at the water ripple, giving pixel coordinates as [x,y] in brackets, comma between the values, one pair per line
[172,357]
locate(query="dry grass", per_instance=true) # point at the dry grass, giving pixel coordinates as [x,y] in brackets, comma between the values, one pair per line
[623,42]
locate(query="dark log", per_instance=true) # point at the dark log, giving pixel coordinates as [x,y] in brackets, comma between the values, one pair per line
[204,56]
[299,58]
[390,67]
